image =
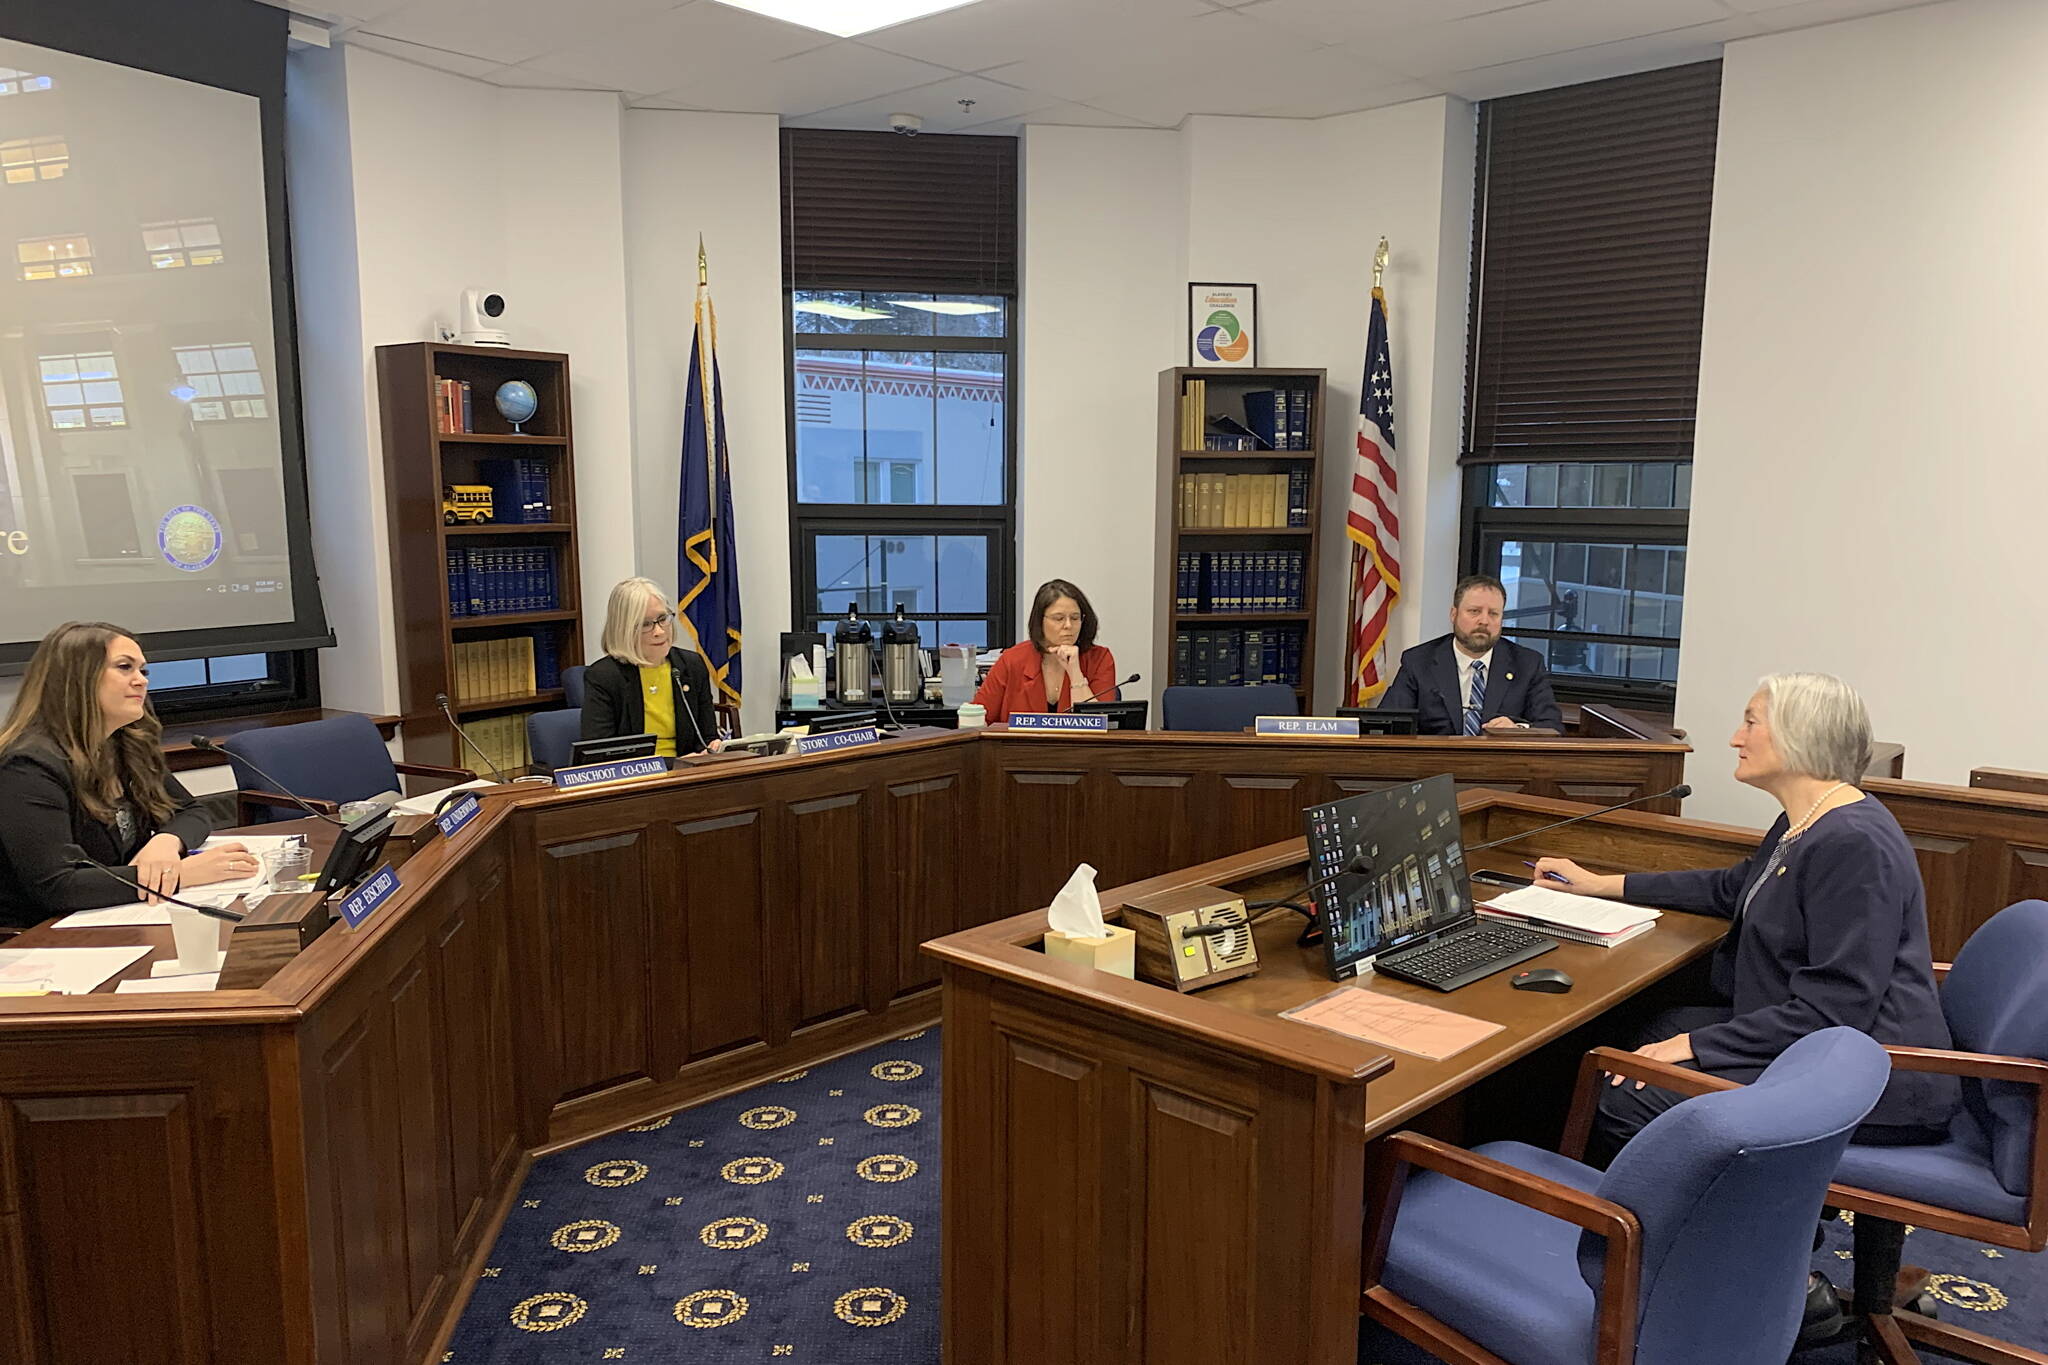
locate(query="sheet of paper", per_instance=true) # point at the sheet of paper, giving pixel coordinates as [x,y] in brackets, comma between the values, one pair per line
[424,805]
[132,915]
[197,981]
[256,843]
[71,971]
[1589,913]
[1387,1021]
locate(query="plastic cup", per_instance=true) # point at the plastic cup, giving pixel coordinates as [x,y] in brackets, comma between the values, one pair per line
[197,938]
[283,867]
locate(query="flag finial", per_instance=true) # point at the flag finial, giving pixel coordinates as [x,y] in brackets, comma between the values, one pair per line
[1379,263]
[704,264]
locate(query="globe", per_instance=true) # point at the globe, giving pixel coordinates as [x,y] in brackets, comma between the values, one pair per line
[516,402]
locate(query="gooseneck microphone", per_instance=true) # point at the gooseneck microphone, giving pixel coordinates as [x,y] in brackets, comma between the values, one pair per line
[1678,793]
[1357,865]
[1113,687]
[206,745]
[441,700]
[78,857]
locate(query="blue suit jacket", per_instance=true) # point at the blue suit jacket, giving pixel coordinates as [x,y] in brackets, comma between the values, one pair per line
[1517,686]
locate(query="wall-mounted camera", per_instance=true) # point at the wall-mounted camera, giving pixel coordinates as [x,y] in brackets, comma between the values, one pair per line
[476,320]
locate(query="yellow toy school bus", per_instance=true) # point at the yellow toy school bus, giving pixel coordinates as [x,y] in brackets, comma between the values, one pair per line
[462,502]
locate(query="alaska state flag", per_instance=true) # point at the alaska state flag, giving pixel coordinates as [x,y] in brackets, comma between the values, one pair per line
[708,584]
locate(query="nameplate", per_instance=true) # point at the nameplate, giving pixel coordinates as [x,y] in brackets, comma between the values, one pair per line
[851,738]
[590,774]
[1334,727]
[380,886]
[456,816]
[1048,720]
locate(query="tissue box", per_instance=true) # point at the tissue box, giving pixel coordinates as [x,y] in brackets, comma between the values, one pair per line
[1115,952]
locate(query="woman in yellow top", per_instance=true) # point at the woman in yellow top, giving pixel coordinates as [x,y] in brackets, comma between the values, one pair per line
[643,684]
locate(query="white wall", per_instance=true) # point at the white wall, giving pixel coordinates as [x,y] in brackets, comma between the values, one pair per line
[1870,455]
[717,175]
[1115,225]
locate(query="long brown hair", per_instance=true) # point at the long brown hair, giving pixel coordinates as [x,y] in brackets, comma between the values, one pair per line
[60,701]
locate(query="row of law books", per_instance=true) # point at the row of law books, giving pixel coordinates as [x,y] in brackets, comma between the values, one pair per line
[1234,658]
[452,408]
[522,489]
[492,580]
[509,666]
[1241,580]
[1274,419]
[503,740]
[1248,500]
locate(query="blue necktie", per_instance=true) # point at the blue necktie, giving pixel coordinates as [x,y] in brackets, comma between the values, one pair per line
[1478,697]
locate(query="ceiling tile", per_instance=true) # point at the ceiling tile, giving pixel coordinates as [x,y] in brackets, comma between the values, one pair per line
[1331,80]
[1353,21]
[1531,30]
[665,51]
[1080,116]
[508,31]
[997,32]
[1328,103]
[339,14]
[937,104]
[1220,49]
[1697,44]
[838,73]
[1778,17]
[457,63]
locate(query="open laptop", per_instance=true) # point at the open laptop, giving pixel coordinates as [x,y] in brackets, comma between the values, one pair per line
[1395,896]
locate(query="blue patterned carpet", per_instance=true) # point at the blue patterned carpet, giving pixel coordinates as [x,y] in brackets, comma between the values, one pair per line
[798,1220]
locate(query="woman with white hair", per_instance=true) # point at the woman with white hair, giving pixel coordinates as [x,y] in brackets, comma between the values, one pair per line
[644,684]
[1830,921]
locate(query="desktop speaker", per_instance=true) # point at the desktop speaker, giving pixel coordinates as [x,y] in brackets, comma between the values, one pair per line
[1190,938]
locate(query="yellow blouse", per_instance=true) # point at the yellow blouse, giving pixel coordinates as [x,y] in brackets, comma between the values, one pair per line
[660,706]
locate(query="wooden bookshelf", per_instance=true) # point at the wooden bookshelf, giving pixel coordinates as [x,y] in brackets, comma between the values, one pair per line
[418,460]
[1223,394]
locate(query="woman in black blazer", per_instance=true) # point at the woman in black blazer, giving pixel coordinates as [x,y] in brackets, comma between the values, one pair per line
[643,684]
[82,762]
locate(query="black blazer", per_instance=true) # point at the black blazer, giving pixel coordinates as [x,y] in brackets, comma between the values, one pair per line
[612,702]
[40,813]
[1517,686]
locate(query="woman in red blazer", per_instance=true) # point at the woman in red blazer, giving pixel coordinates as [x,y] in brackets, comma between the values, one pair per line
[1058,666]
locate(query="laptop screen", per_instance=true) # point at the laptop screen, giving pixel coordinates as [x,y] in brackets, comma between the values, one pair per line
[1398,866]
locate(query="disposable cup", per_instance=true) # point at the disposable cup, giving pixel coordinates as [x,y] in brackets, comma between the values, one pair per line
[197,937]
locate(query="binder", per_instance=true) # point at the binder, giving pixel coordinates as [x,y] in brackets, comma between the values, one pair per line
[1263,414]
[1183,656]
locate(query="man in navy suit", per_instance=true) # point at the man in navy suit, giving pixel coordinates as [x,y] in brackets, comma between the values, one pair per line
[1472,681]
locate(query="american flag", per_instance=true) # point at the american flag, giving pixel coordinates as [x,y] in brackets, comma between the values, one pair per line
[1370,520]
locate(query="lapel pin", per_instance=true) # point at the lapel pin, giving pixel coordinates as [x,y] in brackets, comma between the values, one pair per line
[1511,677]
[1781,871]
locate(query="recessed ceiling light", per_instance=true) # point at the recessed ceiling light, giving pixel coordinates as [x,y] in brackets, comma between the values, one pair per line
[836,310]
[846,17]
[951,306]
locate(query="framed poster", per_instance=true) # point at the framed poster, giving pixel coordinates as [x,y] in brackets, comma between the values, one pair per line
[1223,325]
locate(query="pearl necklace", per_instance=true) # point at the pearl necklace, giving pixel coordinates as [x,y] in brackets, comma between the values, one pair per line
[1807,819]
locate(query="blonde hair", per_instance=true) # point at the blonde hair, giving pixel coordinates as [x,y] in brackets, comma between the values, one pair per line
[622,619]
[1820,725]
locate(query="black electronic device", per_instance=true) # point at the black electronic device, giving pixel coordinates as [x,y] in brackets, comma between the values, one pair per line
[356,850]
[825,722]
[1549,980]
[763,746]
[1123,715]
[1394,894]
[1384,720]
[614,749]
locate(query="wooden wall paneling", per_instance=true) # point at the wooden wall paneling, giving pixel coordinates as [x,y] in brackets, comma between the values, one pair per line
[363,1319]
[716,865]
[1041,825]
[1945,868]
[475,1031]
[1255,809]
[925,823]
[425,1161]
[1979,850]
[1197,1161]
[600,940]
[1049,1145]
[827,843]
[1143,823]
[2026,873]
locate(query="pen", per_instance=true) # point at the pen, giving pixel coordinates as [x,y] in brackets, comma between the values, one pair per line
[1552,875]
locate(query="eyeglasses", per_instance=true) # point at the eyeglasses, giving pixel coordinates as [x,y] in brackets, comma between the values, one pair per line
[658,622]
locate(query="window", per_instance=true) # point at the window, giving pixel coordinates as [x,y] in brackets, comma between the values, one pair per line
[901,438]
[14,82]
[25,160]
[232,684]
[182,242]
[54,258]
[1588,282]
[82,391]
[221,382]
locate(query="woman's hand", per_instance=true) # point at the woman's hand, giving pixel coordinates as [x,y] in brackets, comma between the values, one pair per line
[1562,874]
[157,865]
[220,863]
[1671,1050]
[1067,657]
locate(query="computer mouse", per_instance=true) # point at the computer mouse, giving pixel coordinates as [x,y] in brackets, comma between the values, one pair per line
[1549,980]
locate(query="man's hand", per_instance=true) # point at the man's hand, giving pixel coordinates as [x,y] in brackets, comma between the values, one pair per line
[1671,1050]
[1502,723]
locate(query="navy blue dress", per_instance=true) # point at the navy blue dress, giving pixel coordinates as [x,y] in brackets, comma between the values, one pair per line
[1835,934]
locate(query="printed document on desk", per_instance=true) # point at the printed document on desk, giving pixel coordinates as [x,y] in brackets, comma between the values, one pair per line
[1542,908]
[70,971]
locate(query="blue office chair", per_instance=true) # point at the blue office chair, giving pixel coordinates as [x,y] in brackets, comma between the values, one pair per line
[328,762]
[1988,1180]
[549,735]
[572,686]
[1228,709]
[1700,1232]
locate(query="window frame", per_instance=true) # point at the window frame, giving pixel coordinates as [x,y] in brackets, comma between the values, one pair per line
[809,520]
[293,684]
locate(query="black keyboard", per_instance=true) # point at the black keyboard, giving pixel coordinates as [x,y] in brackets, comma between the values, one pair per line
[1464,957]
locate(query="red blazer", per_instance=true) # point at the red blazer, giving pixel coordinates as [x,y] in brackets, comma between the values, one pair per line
[1016,684]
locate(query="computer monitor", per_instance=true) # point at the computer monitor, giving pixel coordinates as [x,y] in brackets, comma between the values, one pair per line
[825,722]
[1123,715]
[356,851]
[1384,720]
[612,750]
[1396,861]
